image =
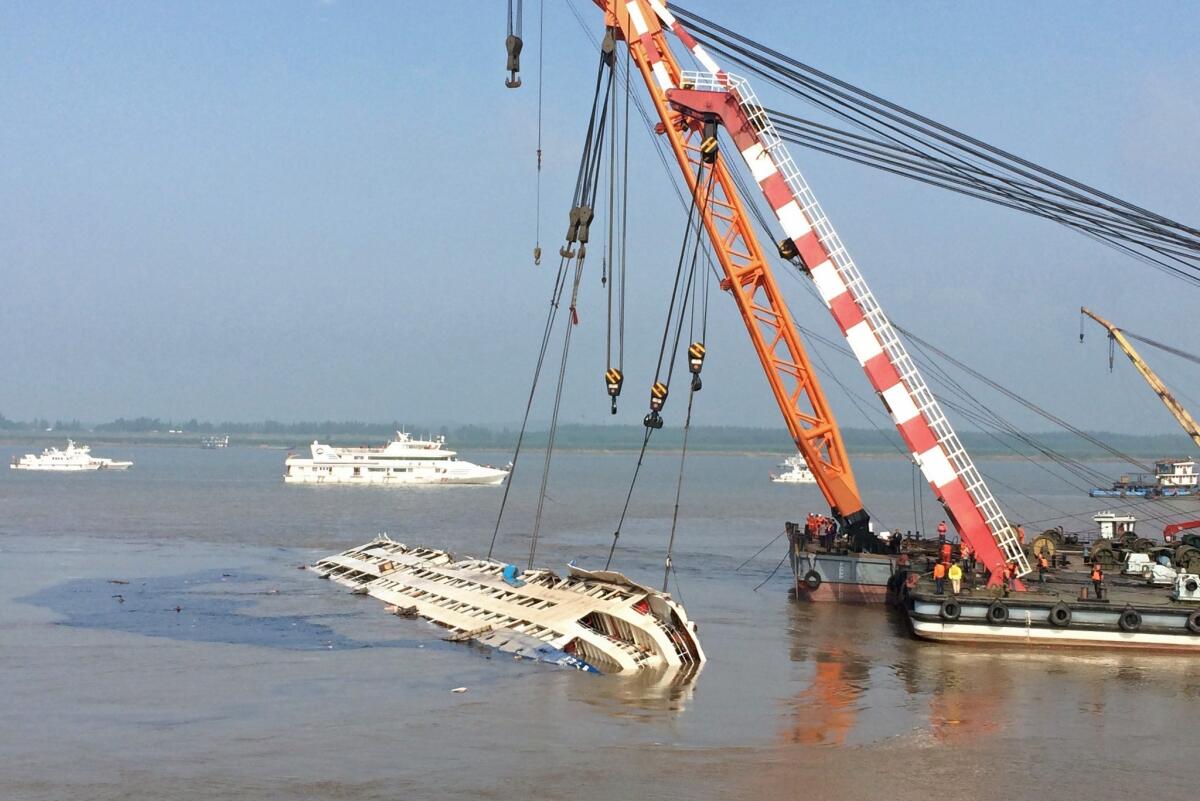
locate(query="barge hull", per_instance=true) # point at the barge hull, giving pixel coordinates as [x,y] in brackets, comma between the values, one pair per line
[938,631]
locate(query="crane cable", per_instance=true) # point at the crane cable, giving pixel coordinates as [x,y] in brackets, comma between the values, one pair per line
[1145,235]
[513,44]
[537,224]
[668,564]
[692,207]
[577,233]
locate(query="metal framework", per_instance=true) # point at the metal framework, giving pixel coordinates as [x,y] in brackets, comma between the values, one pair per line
[748,277]
[686,101]
[1160,389]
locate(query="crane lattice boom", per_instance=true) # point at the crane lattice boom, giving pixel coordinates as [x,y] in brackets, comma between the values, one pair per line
[1160,389]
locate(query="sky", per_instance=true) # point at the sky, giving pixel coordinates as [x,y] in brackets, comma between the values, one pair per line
[325,210]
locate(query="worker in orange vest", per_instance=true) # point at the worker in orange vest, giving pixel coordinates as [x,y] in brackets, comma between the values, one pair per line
[1043,566]
[946,550]
[964,550]
[1097,578]
[939,578]
[1010,573]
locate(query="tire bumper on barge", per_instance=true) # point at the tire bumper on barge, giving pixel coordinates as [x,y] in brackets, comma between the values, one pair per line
[1039,620]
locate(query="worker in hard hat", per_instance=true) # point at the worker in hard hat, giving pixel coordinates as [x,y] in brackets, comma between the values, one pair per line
[939,578]
[1097,578]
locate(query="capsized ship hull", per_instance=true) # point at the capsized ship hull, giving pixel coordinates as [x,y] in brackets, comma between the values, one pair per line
[600,619]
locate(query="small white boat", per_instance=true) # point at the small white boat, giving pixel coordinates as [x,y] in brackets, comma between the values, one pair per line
[73,459]
[215,442]
[404,460]
[794,471]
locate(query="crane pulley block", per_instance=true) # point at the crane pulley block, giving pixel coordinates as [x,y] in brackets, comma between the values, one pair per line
[613,380]
[579,220]
[696,357]
[514,45]
[658,396]
[708,144]
[787,249]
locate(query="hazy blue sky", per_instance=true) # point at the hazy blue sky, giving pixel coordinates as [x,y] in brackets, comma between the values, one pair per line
[308,210]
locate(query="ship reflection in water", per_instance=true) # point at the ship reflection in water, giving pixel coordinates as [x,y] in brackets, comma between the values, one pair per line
[863,682]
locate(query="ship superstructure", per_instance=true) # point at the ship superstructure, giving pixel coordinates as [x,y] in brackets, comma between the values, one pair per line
[404,460]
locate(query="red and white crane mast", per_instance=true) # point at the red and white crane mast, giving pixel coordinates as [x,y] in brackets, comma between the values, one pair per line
[935,447]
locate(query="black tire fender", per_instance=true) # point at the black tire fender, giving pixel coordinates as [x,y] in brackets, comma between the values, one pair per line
[997,613]
[951,609]
[1130,620]
[1060,615]
[1191,585]
[1193,622]
[812,580]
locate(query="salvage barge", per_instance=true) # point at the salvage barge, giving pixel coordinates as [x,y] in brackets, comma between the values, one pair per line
[1062,612]
[597,621]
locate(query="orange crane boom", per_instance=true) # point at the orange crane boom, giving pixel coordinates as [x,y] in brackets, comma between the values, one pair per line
[689,105]
[748,278]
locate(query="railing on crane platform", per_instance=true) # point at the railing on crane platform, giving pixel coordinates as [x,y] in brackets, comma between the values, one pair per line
[925,401]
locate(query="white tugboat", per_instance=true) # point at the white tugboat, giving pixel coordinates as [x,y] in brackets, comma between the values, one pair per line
[74,458]
[403,460]
[794,471]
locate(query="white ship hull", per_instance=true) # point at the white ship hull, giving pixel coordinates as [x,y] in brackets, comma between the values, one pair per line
[794,478]
[72,468]
[304,471]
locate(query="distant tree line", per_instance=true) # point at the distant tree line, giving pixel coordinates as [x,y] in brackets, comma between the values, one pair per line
[598,437]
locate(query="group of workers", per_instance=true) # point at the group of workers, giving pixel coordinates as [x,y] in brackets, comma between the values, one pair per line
[947,568]
[820,529]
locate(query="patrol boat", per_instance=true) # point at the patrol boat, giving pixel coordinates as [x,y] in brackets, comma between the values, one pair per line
[73,459]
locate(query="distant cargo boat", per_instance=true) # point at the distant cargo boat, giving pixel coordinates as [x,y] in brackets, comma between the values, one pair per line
[215,442]
[73,459]
[794,470]
[1173,478]
[403,460]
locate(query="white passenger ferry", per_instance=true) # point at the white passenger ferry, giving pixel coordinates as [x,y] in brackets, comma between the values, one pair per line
[794,471]
[75,458]
[403,460]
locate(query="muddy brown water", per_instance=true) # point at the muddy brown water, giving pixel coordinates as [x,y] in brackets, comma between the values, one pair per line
[268,683]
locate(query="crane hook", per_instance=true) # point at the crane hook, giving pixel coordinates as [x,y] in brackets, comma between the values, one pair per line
[514,45]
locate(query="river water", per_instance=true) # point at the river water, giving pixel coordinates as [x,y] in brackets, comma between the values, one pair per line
[221,670]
